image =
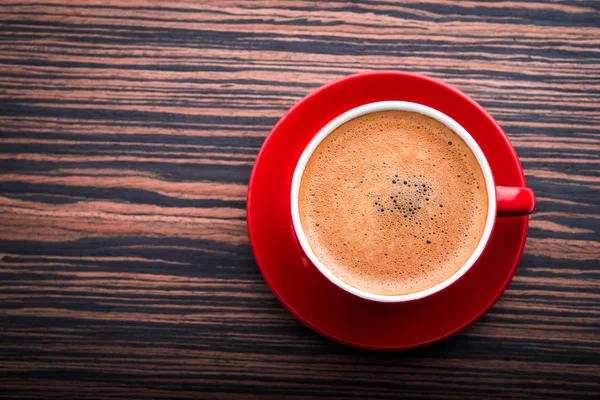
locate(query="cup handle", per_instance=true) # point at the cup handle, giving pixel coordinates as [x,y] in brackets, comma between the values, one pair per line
[514,201]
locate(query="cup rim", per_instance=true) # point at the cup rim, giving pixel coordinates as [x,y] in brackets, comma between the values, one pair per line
[386,106]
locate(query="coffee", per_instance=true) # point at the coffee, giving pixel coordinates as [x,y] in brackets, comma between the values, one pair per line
[393,202]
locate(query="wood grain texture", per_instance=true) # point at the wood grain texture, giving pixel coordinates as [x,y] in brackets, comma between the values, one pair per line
[128,130]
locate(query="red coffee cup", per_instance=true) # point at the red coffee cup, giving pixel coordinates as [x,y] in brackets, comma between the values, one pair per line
[503,201]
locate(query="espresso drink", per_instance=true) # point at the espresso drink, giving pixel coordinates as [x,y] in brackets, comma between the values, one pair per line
[393,202]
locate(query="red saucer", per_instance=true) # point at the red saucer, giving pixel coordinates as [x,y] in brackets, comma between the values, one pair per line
[320,304]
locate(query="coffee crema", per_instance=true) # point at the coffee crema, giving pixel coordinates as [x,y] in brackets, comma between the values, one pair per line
[393,202]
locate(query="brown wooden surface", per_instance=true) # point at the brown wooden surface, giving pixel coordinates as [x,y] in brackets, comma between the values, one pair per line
[128,130]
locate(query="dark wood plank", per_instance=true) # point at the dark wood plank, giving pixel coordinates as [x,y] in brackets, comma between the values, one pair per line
[128,130]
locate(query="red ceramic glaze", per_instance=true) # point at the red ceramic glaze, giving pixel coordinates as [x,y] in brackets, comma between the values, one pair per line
[328,309]
[514,201]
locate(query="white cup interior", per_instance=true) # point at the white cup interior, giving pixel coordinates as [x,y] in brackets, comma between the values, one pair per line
[403,106]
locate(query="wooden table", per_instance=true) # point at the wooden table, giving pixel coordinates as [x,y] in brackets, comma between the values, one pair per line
[128,131]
